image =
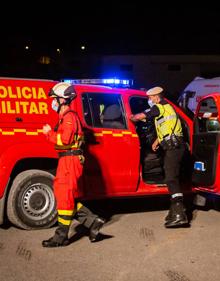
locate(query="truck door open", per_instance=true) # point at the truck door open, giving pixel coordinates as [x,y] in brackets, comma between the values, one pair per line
[112,158]
[206,142]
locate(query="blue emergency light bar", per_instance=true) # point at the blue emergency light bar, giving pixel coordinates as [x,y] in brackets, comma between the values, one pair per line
[114,82]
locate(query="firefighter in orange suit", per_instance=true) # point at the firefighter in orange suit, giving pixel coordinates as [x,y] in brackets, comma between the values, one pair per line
[67,138]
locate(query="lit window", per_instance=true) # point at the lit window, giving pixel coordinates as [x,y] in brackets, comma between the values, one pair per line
[45,60]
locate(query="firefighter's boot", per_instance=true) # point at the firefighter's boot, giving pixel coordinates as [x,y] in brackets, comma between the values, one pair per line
[176,216]
[94,229]
[59,239]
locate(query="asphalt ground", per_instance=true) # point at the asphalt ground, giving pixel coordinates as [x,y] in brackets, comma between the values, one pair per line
[134,245]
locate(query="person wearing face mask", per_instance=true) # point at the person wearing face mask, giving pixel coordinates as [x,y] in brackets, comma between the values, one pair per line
[67,137]
[170,138]
[150,103]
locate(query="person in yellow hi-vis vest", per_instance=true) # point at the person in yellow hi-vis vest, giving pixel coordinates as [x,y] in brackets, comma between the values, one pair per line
[67,138]
[170,138]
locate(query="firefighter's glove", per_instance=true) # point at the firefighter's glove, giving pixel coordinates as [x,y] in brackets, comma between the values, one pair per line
[46,129]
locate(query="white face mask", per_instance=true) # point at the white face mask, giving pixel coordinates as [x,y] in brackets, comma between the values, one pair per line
[151,103]
[54,105]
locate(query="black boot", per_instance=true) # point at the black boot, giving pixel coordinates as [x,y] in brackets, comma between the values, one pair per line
[59,239]
[94,229]
[176,216]
[170,212]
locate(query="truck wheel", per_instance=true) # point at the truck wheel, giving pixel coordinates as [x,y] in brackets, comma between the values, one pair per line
[31,203]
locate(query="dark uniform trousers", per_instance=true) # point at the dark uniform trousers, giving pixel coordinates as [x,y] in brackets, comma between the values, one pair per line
[172,164]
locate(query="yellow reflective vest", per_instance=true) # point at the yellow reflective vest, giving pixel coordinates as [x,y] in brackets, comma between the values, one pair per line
[167,122]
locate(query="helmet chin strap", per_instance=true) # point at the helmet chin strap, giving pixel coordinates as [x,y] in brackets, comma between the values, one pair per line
[59,105]
[66,102]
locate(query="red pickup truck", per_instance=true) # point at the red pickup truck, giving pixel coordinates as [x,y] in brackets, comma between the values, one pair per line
[119,160]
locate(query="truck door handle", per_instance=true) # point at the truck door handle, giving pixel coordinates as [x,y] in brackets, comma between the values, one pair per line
[18,119]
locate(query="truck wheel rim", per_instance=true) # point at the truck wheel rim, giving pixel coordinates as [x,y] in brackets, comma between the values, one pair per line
[37,201]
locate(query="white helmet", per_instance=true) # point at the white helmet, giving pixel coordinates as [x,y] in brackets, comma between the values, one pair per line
[63,90]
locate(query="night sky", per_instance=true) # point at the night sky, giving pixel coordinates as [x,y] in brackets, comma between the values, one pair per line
[114,28]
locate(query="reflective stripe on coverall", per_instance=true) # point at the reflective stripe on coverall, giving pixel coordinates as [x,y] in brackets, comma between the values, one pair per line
[67,183]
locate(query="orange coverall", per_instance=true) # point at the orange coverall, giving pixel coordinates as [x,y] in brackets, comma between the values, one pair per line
[69,170]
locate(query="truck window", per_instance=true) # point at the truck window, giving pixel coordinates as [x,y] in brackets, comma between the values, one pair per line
[104,110]
[207,119]
[138,104]
[146,128]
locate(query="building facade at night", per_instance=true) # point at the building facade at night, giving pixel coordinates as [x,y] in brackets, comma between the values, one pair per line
[173,72]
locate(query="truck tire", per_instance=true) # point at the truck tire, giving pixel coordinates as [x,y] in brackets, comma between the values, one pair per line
[31,203]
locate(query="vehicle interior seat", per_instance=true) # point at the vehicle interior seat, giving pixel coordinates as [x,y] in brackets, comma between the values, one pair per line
[112,117]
